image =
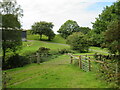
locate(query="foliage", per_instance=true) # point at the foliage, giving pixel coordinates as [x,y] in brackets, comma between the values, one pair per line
[11,7]
[16,61]
[85,30]
[108,15]
[96,39]
[112,37]
[78,41]
[43,51]
[10,12]
[50,35]
[68,28]
[109,69]
[6,21]
[65,51]
[43,28]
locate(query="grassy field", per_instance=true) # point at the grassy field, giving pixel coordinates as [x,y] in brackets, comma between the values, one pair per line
[57,39]
[98,50]
[32,46]
[56,73]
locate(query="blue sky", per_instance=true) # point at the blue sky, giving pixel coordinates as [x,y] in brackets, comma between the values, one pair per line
[58,11]
[98,6]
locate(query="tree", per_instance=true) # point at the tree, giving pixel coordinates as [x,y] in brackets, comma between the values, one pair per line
[100,25]
[112,37]
[84,30]
[68,28]
[43,28]
[50,35]
[78,41]
[6,21]
[11,7]
[11,35]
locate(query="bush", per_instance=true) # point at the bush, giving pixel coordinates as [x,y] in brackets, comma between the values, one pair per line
[16,61]
[63,51]
[78,41]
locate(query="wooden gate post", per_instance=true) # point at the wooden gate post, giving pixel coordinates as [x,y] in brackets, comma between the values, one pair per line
[89,64]
[80,63]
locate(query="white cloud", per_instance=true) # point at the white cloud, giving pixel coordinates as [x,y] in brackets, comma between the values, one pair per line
[57,11]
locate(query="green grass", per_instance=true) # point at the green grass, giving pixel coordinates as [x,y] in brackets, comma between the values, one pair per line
[32,46]
[56,73]
[57,39]
[99,50]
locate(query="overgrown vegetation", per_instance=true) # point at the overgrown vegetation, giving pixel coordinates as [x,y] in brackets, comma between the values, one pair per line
[11,34]
[79,42]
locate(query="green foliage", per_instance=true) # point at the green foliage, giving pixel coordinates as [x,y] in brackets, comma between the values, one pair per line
[6,21]
[78,41]
[108,15]
[68,28]
[112,37]
[43,51]
[96,39]
[16,61]
[50,35]
[10,7]
[10,23]
[43,28]
[85,30]
[107,69]
[65,51]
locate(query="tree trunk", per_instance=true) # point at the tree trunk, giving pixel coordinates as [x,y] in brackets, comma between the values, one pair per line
[49,38]
[40,36]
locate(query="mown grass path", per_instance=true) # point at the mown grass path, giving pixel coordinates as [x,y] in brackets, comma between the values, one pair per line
[56,73]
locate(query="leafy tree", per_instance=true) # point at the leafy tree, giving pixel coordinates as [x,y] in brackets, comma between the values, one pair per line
[68,28]
[50,35]
[112,37]
[84,30]
[78,41]
[96,39]
[11,35]
[43,28]
[11,7]
[6,21]
[100,25]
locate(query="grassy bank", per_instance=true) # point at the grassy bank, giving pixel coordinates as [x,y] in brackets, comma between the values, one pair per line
[32,46]
[56,73]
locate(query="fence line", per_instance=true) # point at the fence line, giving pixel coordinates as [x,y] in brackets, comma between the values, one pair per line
[83,61]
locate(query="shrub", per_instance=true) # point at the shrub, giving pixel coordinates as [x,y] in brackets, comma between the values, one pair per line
[16,61]
[63,51]
[78,41]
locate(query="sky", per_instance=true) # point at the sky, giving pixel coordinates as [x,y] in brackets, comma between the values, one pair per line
[59,11]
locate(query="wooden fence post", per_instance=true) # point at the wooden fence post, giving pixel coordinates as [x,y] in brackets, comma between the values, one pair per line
[89,64]
[4,80]
[80,63]
[38,58]
[71,59]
